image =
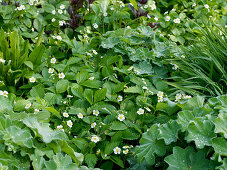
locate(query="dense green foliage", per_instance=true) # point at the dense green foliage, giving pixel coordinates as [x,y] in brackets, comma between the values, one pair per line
[108,85]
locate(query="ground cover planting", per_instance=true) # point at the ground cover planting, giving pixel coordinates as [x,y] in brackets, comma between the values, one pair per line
[109,84]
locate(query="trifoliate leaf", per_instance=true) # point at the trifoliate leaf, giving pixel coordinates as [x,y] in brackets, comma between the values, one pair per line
[169,132]
[149,145]
[62,86]
[185,159]
[201,132]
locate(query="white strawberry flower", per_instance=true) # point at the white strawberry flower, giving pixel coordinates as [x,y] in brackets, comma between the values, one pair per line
[28,105]
[60,11]
[79,115]
[95,25]
[167,18]
[125,151]
[51,70]
[177,20]
[36,111]
[91,78]
[61,23]
[62,6]
[95,112]
[61,75]
[140,111]
[95,138]
[105,14]
[119,98]
[117,150]
[70,123]
[65,114]
[59,37]
[121,117]
[53,12]
[93,125]
[53,19]
[32,79]
[53,60]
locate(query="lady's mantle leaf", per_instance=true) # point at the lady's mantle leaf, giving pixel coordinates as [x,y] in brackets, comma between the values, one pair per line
[201,131]
[185,159]
[149,145]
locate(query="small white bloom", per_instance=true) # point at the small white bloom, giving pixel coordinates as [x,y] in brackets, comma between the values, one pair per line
[33,29]
[80,116]
[32,79]
[166,12]
[22,7]
[59,37]
[60,11]
[91,78]
[117,150]
[69,96]
[95,52]
[173,9]
[1,93]
[153,7]
[61,75]
[5,93]
[31,3]
[155,18]
[130,68]
[62,6]
[51,70]
[167,18]
[28,105]
[70,123]
[119,98]
[53,12]
[182,56]
[65,114]
[125,147]
[64,102]
[61,23]
[93,125]
[160,99]
[145,6]
[95,112]
[95,25]
[206,6]
[178,97]
[175,67]
[125,151]
[160,94]
[140,111]
[95,138]
[111,8]
[60,127]
[177,20]
[144,87]
[105,14]
[36,111]
[128,27]
[193,4]
[53,60]
[121,117]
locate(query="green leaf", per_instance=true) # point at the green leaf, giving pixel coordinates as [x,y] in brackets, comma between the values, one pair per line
[149,145]
[62,86]
[134,3]
[42,130]
[29,64]
[36,55]
[91,160]
[221,124]
[88,93]
[184,118]
[19,136]
[117,160]
[64,162]
[201,132]
[54,111]
[133,89]
[169,132]
[117,125]
[77,90]
[48,7]
[92,84]
[100,95]
[185,159]
[220,146]
[82,76]
[5,106]
[37,91]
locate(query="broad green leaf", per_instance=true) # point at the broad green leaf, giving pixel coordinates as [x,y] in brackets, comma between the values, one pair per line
[64,162]
[5,106]
[220,146]
[201,132]
[117,160]
[37,91]
[48,7]
[88,93]
[133,89]
[185,159]
[53,111]
[149,146]
[221,124]
[100,95]
[117,125]
[184,118]
[91,160]
[77,90]
[169,132]
[62,86]
[43,130]
[92,84]
[82,76]
[36,55]
[19,136]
